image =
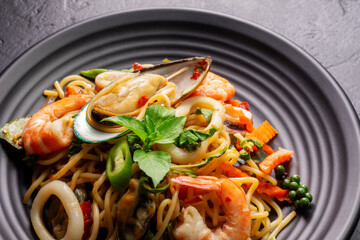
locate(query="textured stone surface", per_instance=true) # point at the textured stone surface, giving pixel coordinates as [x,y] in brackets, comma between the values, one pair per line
[327,29]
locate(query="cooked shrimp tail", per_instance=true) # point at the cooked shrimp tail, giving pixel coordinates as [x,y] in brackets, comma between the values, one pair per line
[50,129]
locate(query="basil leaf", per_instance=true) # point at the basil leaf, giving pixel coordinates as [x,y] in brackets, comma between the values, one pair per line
[131,123]
[170,129]
[212,131]
[75,147]
[207,113]
[158,114]
[149,125]
[191,139]
[155,164]
[134,142]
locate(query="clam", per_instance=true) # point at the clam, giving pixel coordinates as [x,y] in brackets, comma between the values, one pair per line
[130,93]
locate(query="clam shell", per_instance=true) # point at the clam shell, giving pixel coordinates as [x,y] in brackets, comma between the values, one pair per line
[186,74]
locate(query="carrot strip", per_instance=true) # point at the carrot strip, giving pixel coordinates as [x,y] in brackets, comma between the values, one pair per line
[266,148]
[272,160]
[272,191]
[264,132]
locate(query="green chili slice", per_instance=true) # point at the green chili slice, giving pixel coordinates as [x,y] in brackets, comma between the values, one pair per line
[118,165]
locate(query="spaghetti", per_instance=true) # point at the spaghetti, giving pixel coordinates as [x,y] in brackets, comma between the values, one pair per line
[220,193]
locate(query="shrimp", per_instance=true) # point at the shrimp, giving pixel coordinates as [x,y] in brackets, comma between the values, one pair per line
[215,87]
[50,129]
[237,214]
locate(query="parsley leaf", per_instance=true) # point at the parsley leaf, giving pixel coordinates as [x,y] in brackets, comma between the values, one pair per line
[155,164]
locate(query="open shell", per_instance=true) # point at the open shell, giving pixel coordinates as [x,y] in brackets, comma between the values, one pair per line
[173,81]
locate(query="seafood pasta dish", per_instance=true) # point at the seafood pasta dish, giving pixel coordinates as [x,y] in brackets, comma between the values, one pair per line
[153,152]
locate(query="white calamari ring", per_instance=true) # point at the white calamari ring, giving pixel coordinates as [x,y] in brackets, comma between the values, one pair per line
[75,228]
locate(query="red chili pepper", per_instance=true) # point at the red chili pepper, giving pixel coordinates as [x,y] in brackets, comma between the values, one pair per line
[142,100]
[244,105]
[196,74]
[137,66]
[203,62]
[238,147]
[254,148]
[86,210]
[237,103]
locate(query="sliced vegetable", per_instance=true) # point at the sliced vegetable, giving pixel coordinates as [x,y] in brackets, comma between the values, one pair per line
[207,113]
[118,165]
[94,72]
[278,157]
[137,66]
[75,147]
[12,131]
[264,132]
[201,164]
[272,191]
[191,139]
[86,210]
[146,190]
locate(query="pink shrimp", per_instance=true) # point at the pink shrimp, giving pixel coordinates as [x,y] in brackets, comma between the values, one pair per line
[50,129]
[237,214]
[215,87]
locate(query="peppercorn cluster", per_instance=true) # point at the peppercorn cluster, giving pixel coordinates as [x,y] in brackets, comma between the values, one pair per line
[298,191]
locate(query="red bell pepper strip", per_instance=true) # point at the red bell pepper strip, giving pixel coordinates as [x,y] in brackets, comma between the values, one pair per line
[137,66]
[86,210]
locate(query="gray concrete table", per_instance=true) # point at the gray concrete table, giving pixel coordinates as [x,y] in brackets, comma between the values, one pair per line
[328,30]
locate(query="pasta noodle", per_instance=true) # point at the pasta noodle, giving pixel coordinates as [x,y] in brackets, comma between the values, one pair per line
[84,174]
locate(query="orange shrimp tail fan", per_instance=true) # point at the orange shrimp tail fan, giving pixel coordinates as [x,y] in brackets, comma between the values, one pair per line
[264,132]
[273,160]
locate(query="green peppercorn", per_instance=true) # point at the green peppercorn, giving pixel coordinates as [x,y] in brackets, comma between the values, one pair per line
[295,178]
[293,186]
[292,195]
[304,186]
[304,202]
[286,183]
[309,196]
[280,170]
[300,192]
[297,203]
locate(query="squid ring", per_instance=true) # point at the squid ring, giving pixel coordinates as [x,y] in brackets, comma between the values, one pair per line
[75,228]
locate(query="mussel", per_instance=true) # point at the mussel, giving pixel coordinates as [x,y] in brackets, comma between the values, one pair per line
[165,83]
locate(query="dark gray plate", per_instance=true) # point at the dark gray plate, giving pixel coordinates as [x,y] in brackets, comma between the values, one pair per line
[282,83]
